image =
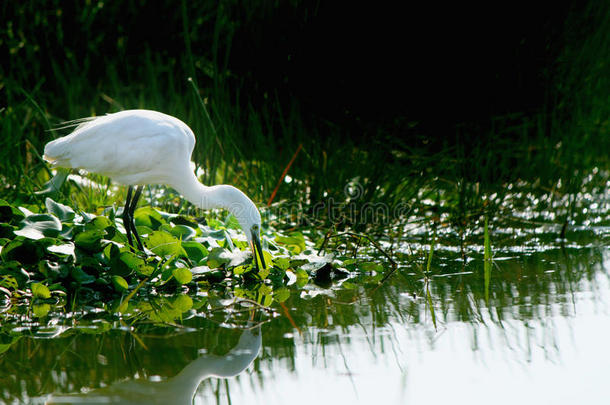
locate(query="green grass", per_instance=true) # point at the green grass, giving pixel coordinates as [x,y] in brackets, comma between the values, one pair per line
[378,184]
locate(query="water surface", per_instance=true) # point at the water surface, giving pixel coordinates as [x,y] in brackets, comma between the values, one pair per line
[540,338]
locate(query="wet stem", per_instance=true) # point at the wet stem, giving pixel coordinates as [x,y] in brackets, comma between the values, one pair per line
[427,279]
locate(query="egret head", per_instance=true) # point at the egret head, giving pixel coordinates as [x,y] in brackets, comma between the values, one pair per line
[249,219]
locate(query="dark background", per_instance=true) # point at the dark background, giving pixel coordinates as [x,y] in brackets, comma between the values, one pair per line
[352,64]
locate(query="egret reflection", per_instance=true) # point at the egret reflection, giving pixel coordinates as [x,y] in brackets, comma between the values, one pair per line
[179,389]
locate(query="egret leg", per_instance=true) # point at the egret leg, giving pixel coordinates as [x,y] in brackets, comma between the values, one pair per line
[134,204]
[127,223]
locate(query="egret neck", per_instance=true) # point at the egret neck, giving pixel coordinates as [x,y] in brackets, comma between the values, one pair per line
[226,197]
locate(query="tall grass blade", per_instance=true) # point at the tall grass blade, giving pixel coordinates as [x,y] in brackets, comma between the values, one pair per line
[429,264]
[487,260]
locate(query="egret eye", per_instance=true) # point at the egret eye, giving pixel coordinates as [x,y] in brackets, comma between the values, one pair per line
[255,228]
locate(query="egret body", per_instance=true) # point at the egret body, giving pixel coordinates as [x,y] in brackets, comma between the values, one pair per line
[138,147]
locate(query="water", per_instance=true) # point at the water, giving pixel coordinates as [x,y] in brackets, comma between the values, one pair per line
[542,338]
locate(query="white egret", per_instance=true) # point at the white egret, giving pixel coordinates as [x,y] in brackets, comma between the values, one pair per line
[138,147]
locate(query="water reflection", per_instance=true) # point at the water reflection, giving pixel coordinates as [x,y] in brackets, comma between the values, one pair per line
[544,323]
[179,389]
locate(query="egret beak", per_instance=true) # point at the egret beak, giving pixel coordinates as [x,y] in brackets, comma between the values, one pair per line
[257,250]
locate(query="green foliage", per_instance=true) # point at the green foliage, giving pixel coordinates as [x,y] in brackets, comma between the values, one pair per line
[86,256]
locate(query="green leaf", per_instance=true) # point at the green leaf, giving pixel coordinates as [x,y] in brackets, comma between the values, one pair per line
[120,284]
[24,251]
[9,282]
[147,216]
[231,222]
[6,231]
[7,344]
[218,256]
[80,276]
[100,222]
[40,291]
[126,262]
[182,275]
[281,294]
[183,303]
[63,212]
[195,251]
[163,244]
[55,183]
[182,232]
[241,270]
[370,266]
[302,277]
[111,251]
[264,295]
[67,249]
[282,262]
[38,226]
[41,310]
[52,270]
[90,240]
[9,214]
[295,242]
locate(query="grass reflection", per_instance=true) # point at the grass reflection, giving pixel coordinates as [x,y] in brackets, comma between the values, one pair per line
[526,294]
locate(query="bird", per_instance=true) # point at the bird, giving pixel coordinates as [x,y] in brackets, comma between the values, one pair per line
[140,147]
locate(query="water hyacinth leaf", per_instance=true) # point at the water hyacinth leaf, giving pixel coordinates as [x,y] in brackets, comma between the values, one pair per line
[9,214]
[7,342]
[219,256]
[294,263]
[147,216]
[182,232]
[241,270]
[180,220]
[90,240]
[55,182]
[6,231]
[24,251]
[164,244]
[295,242]
[63,212]
[231,222]
[302,277]
[111,251]
[38,226]
[100,222]
[41,310]
[349,286]
[8,282]
[264,295]
[66,249]
[80,276]
[120,284]
[282,263]
[370,267]
[195,251]
[281,294]
[183,303]
[142,230]
[182,275]
[40,291]
[127,262]
[268,258]
[52,270]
